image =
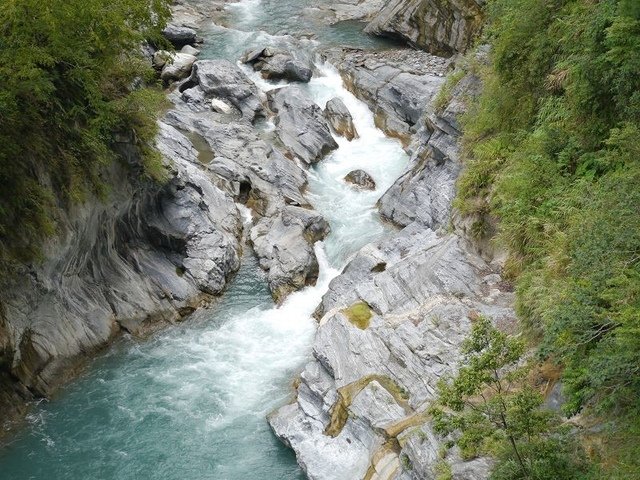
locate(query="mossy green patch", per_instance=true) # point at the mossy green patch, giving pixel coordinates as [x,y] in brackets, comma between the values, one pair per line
[359,314]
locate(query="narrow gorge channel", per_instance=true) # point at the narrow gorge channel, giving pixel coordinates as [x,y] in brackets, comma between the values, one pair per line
[191,401]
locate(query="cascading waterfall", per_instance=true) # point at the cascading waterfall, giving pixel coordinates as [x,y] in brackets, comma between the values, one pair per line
[190,402]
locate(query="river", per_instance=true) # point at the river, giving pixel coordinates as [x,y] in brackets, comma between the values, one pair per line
[190,402]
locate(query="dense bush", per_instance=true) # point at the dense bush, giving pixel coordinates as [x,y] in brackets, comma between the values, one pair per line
[553,151]
[67,70]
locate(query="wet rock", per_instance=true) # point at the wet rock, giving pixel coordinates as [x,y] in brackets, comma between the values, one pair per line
[179,36]
[340,119]
[224,80]
[301,125]
[396,84]
[361,179]
[177,67]
[440,27]
[279,65]
[284,245]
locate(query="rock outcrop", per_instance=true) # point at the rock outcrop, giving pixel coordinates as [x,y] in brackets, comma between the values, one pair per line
[301,125]
[426,190]
[396,84]
[365,395]
[245,164]
[340,119]
[442,27]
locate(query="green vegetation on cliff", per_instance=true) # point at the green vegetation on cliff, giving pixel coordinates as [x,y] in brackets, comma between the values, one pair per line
[552,151]
[69,70]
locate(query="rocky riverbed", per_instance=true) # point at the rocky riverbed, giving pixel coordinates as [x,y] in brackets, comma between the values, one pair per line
[239,151]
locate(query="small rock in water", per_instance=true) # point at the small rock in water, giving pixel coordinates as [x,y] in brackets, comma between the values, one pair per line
[361,179]
[339,117]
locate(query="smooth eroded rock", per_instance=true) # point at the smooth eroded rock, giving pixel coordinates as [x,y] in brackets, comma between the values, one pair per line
[442,27]
[340,119]
[222,79]
[177,67]
[300,125]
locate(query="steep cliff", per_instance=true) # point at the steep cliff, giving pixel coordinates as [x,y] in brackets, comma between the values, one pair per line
[442,27]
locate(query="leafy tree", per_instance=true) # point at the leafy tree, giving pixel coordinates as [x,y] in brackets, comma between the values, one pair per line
[68,69]
[488,410]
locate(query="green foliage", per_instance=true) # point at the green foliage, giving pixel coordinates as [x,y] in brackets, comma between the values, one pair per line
[552,151]
[67,69]
[359,314]
[443,97]
[443,470]
[488,411]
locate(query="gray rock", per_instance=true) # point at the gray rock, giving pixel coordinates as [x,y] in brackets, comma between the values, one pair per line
[340,119]
[177,67]
[284,245]
[440,27]
[280,65]
[179,36]
[190,50]
[301,125]
[421,288]
[224,80]
[396,84]
[160,59]
[361,179]
[426,190]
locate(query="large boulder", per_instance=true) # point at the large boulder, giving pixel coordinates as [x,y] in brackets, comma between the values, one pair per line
[177,67]
[301,125]
[442,27]
[223,80]
[180,36]
[284,245]
[340,119]
[279,65]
